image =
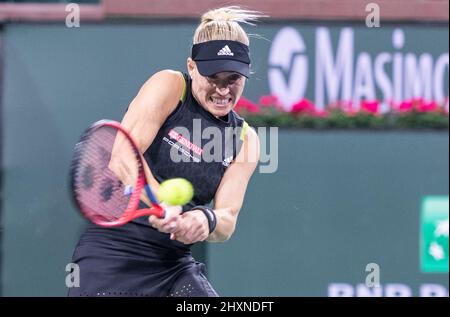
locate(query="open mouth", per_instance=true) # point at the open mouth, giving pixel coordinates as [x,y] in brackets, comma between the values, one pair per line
[220,102]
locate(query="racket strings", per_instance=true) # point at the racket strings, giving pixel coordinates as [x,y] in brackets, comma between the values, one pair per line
[101,183]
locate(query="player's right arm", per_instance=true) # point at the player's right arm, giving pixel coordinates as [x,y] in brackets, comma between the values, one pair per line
[155,101]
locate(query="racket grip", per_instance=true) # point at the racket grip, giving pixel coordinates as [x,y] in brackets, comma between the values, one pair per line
[166,213]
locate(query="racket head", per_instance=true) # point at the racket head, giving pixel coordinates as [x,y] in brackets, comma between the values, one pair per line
[100,187]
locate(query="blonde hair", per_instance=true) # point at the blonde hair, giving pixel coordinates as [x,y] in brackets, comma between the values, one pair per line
[223,24]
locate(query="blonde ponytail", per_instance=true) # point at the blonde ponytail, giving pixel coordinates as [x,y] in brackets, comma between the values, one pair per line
[223,24]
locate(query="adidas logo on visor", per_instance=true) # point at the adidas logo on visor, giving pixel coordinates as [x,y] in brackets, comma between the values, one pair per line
[225,51]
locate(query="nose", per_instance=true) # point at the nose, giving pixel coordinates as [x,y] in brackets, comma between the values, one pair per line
[223,90]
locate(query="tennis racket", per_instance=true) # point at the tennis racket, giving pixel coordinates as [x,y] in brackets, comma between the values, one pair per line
[107,176]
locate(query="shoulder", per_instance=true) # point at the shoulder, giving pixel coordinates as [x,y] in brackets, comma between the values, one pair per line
[249,152]
[248,134]
[251,137]
[163,89]
[171,78]
[157,98]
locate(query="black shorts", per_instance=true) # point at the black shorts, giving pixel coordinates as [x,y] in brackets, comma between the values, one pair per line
[137,260]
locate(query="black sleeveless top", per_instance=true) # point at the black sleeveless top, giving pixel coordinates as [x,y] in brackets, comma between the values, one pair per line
[195,145]
[206,145]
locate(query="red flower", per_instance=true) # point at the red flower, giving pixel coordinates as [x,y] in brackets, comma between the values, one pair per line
[271,101]
[405,106]
[268,100]
[303,106]
[245,105]
[427,106]
[372,106]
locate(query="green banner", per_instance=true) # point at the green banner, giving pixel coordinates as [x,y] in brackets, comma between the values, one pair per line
[434,239]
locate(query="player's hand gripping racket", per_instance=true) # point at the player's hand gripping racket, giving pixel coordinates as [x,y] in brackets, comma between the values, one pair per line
[107,176]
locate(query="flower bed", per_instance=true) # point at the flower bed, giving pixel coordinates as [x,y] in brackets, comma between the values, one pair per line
[409,114]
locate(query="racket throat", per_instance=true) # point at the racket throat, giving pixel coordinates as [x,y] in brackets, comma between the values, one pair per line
[155,210]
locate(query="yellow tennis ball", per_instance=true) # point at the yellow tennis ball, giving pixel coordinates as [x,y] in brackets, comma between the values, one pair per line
[175,191]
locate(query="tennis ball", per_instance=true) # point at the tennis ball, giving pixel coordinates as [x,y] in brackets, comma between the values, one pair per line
[175,191]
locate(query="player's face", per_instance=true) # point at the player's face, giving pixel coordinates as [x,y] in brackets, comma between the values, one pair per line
[219,93]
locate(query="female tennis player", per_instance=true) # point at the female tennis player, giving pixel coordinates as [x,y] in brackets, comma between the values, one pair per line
[151,256]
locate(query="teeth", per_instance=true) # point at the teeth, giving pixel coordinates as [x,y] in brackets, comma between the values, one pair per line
[220,101]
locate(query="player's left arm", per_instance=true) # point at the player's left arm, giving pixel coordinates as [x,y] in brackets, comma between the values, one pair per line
[228,199]
[231,192]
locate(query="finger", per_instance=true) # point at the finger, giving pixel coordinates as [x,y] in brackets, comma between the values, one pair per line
[170,227]
[163,222]
[157,223]
[151,220]
[179,233]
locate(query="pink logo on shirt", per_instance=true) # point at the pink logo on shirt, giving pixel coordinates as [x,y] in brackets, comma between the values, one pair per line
[185,142]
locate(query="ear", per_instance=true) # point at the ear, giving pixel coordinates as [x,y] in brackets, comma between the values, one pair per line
[190,66]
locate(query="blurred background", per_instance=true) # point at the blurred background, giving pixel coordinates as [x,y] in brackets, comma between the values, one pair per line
[355,190]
